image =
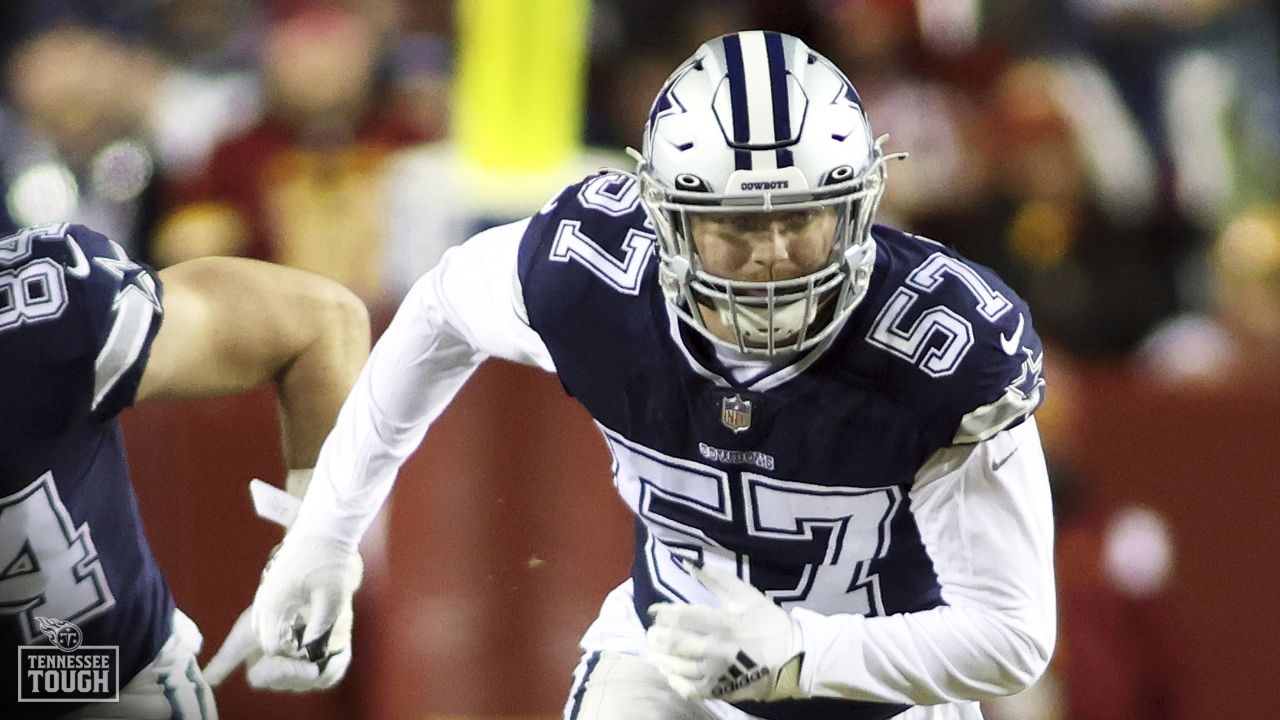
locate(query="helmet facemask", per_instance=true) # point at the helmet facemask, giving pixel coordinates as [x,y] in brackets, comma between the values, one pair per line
[771,319]
[756,123]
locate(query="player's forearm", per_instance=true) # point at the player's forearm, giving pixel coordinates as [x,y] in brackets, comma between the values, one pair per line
[414,371]
[985,516]
[312,387]
[948,654]
[456,315]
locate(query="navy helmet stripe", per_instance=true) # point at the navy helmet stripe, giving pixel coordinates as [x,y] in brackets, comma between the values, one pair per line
[738,101]
[781,98]
[737,89]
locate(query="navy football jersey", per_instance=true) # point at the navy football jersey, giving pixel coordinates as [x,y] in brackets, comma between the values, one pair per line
[77,319]
[798,477]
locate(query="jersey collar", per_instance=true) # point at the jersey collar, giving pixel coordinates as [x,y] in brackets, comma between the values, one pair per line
[769,378]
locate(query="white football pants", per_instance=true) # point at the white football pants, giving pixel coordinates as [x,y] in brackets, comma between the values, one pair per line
[171,687]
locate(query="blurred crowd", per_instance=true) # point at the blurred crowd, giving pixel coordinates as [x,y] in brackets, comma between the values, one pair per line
[184,128]
[1116,161]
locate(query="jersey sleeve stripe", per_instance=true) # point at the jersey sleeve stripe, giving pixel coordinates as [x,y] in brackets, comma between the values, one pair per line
[134,315]
[990,419]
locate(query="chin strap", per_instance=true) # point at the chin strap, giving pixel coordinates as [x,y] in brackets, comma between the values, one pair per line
[754,325]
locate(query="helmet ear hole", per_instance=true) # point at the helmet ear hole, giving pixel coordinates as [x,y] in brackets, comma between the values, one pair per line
[839,174]
[689,181]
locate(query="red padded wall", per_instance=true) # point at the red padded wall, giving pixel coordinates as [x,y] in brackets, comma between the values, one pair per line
[191,463]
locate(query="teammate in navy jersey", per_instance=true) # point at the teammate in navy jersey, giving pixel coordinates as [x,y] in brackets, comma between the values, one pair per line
[822,426]
[84,333]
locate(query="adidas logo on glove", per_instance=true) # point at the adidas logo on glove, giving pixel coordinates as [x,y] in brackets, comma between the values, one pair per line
[742,673]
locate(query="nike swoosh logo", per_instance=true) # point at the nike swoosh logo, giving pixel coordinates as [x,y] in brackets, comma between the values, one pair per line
[1000,463]
[79,265]
[1010,344]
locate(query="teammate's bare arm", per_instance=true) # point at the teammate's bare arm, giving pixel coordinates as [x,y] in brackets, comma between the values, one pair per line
[233,324]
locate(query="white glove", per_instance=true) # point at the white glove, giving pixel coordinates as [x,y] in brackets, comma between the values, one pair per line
[747,649]
[317,671]
[271,673]
[302,610]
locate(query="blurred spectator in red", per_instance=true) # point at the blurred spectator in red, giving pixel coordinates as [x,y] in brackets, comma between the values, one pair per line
[305,186]
[1239,333]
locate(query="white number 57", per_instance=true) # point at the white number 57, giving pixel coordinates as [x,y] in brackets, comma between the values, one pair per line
[939,338]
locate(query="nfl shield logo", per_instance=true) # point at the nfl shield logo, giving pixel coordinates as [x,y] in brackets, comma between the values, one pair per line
[735,413]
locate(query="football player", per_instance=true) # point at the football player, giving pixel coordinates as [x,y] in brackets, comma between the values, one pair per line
[822,426]
[84,333]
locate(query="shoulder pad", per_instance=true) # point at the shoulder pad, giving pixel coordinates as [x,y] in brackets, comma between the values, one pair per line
[594,237]
[969,353]
[69,292]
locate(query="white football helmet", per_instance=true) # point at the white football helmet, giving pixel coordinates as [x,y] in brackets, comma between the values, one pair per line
[757,122]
